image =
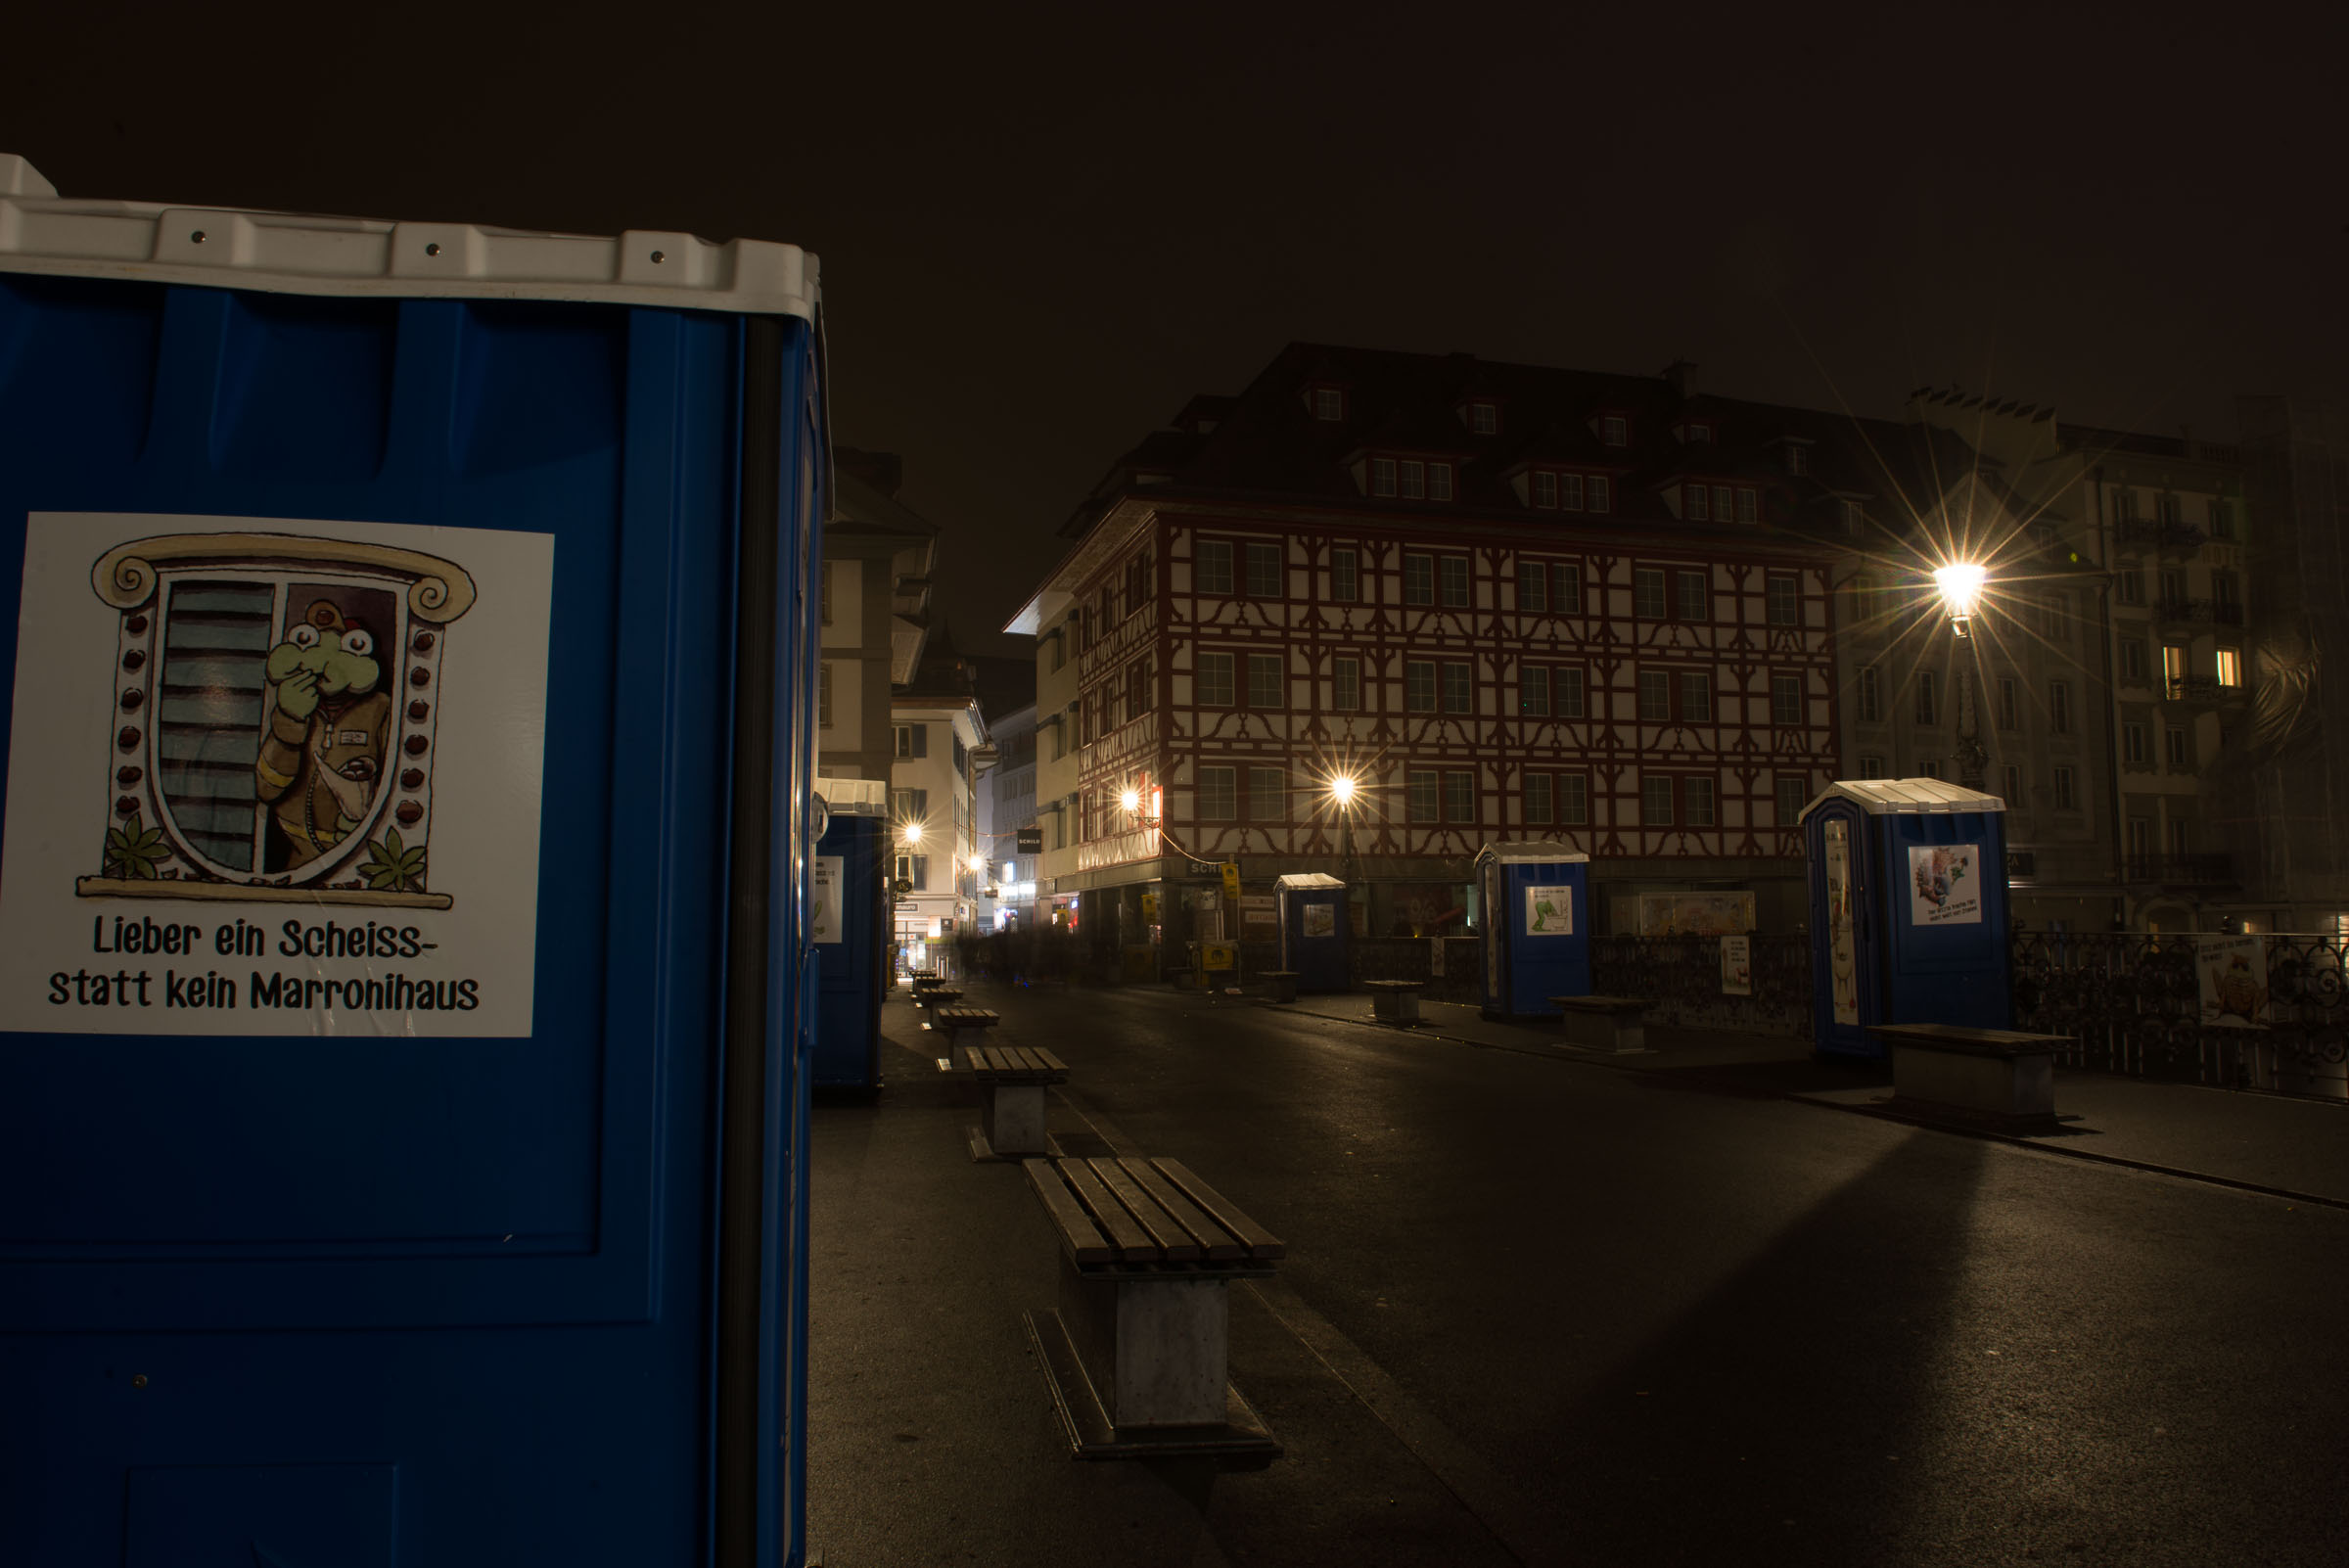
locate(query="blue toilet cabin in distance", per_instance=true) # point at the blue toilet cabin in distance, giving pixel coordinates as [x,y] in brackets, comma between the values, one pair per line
[1313,929]
[1536,908]
[1908,885]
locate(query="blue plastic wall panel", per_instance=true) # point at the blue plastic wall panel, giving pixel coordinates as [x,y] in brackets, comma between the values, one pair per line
[392,1298]
[1318,955]
[848,1035]
[1541,963]
[1951,971]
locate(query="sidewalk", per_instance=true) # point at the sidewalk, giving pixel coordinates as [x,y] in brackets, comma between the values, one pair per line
[2265,1142]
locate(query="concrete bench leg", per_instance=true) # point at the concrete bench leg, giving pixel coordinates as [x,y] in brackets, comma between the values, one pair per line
[1603,1032]
[1013,1117]
[1157,1351]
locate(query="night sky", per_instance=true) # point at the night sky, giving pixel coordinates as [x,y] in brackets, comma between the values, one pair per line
[1039,236]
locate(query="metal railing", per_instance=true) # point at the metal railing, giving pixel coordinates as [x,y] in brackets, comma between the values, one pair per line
[2201,870]
[2216,611]
[1680,978]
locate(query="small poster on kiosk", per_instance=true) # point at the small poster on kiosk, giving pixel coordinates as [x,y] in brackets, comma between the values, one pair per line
[1550,911]
[1945,886]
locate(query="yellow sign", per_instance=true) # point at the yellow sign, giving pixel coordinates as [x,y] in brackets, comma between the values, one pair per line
[1231,879]
[1149,909]
[1218,955]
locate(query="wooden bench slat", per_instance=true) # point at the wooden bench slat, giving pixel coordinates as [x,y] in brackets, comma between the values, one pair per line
[1260,1242]
[1132,1242]
[1078,1232]
[980,1058]
[1219,1244]
[1052,1063]
[1175,1243]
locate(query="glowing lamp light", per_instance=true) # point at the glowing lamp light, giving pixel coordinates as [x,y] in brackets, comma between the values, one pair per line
[913,833]
[1961,585]
[1131,800]
[1342,788]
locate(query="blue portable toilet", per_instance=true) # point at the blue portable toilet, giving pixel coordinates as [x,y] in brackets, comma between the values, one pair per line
[1908,909]
[1313,929]
[404,874]
[1537,899]
[849,923]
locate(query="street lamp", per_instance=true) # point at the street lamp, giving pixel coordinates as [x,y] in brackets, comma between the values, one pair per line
[1960,583]
[1342,790]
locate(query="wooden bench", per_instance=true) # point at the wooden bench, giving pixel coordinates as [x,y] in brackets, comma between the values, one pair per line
[1395,1001]
[1011,1081]
[952,1020]
[1603,1023]
[1138,1353]
[1280,984]
[935,996]
[1997,1076]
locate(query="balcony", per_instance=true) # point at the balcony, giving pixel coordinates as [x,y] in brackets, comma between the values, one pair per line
[2160,534]
[2200,612]
[2183,870]
[2203,689]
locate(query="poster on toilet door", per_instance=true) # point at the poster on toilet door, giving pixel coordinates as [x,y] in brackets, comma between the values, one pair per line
[273,777]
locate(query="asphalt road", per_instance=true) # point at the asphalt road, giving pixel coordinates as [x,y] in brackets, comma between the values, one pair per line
[1630,1321]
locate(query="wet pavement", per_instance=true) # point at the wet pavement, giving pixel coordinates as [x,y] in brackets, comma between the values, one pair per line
[1548,1307]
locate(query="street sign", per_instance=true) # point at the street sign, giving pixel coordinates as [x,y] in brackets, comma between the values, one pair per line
[902,887]
[1231,879]
[1031,841]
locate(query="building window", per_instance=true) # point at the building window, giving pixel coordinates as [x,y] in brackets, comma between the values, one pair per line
[1418,580]
[1854,517]
[1566,588]
[1533,691]
[2014,787]
[1871,696]
[1570,492]
[1382,476]
[1218,794]
[1330,403]
[1785,700]
[1138,689]
[2133,744]
[1264,570]
[2128,586]
[1599,491]
[2167,508]
[1215,566]
[1930,768]
[1483,418]
[910,740]
[1615,430]
[1798,458]
[1568,687]
[1214,681]
[1871,767]
[1545,491]
[824,693]
[1696,793]
[1459,797]
[1419,796]
[1439,481]
[1786,598]
[1456,582]
[1749,506]
[1693,504]
[1415,479]
[2181,837]
[2059,708]
[1655,697]
[2170,586]
[1420,686]
[2173,668]
[1264,681]
[1267,794]
[2008,701]
[913,869]
[1695,591]
[1345,576]
[1460,695]
[2231,667]
[1696,697]
[2175,735]
[2063,790]
[1537,798]
[2219,518]
[1647,593]
[1346,684]
[2133,660]
[1928,698]
[1533,586]
[1655,803]
[1574,800]
[1793,794]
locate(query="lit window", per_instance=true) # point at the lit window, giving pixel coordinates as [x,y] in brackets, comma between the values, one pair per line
[2173,667]
[1459,797]
[1655,803]
[1215,679]
[1546,490]
[1420,686]
[1264,570]
[1418,580]
[1483,418]
[1420,797]
[1460,691]
[1382,476]
[1615,430]
[1344,576]
[1696,793]
[2231,667]
[1215,566]
[1330,403]
[1456,581]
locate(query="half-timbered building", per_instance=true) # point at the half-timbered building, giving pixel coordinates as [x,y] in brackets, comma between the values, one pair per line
[1499,601]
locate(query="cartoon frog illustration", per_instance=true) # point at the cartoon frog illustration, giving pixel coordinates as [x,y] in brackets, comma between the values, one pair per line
[322,757]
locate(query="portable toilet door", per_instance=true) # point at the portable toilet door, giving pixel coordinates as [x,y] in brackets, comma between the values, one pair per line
[1313,930]
[411,712]
[1536,901]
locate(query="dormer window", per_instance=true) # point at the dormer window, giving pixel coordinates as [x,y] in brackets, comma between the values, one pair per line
[1484,418]
[1413,478]
[1693,430]
[1693,504]
[1546,491]
[1328,403]
[1798,458]
[1615,430]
